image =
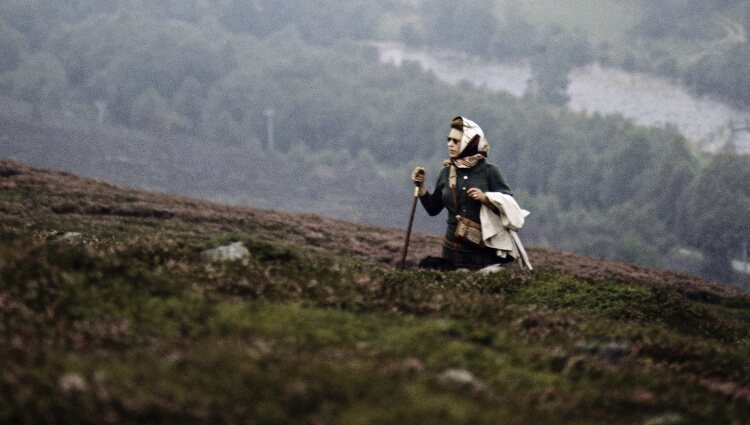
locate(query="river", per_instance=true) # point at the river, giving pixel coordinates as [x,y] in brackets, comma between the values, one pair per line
[646,99]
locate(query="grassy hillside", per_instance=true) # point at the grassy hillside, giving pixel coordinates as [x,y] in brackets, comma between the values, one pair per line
[127,323]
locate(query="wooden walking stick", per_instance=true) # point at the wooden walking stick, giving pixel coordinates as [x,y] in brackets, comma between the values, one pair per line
[408,228]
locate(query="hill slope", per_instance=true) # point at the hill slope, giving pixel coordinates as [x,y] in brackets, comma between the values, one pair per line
[127,323]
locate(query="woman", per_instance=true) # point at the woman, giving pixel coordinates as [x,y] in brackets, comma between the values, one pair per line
[461,188]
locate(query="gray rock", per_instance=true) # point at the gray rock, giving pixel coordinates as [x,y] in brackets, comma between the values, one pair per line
[71,383]
[232,252]
[69,237]
[668,419]
[462,378]
[493,268]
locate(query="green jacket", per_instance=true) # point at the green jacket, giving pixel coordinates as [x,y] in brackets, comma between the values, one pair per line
[483,176]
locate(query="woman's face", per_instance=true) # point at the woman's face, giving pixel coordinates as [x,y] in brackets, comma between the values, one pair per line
[454,142]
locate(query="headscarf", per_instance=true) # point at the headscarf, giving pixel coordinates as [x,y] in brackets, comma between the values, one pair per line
[471,131]
[473,148]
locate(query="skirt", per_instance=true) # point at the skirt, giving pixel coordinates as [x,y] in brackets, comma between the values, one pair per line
[464,256]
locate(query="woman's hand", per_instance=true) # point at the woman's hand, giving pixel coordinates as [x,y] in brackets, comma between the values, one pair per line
[477,195]
[417,176]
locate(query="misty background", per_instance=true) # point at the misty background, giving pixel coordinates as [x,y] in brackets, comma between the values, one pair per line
[295,106]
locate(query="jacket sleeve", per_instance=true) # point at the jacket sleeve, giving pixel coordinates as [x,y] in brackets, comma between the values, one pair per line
[497,183]
[433,202]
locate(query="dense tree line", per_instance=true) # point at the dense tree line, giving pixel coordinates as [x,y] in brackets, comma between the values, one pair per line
[477,26]
[507,34]
[724,72]
[597,185]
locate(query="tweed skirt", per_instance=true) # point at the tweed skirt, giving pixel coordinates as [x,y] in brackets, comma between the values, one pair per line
[471,257]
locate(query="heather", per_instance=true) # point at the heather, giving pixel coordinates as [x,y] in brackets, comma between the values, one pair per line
[110,314]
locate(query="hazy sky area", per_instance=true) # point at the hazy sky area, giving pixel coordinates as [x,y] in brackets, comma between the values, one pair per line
[602,115]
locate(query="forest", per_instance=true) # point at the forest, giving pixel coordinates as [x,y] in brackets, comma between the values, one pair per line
[697,41]
[201,73]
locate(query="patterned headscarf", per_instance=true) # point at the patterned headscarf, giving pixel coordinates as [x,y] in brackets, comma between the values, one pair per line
[471,131]
[473,148]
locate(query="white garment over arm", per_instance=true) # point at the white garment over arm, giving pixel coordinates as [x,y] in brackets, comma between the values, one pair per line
[499,231]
